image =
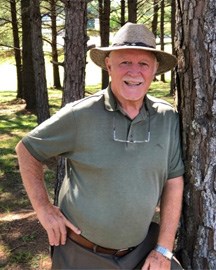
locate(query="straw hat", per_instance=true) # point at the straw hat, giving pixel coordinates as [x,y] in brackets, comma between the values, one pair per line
[138,37]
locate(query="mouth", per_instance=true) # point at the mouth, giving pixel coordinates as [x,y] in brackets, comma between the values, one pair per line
[131,83]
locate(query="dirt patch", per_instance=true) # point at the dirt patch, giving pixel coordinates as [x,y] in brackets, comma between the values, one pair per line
[24,241]
[8,108]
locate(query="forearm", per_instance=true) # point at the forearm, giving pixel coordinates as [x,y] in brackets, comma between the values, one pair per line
[170,211]
[49,215]
[32,174]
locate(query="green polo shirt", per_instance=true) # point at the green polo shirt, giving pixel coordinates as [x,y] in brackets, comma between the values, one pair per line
[112,185]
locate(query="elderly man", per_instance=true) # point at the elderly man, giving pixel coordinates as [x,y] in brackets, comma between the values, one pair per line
[123,157]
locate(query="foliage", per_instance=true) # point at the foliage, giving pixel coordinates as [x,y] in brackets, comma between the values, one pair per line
[5,24]
[144,15]
[46,19]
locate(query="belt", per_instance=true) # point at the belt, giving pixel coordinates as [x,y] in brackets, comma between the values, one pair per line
[82,241]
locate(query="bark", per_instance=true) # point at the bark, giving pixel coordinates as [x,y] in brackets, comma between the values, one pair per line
[17,50]
[155,18]
[162,33]
[75,50]
[39,64]
[28,79]
[122,12]
[173,25]
[104,17]
[56,76]
[196,47]
[132,11]
[75,62]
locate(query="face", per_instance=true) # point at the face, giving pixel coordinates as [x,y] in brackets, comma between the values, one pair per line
[131,72]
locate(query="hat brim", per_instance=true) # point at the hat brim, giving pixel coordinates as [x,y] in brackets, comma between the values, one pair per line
[166,61]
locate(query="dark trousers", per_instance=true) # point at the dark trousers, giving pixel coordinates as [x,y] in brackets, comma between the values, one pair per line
[73,256]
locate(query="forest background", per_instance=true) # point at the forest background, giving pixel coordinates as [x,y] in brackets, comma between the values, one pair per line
[44,53]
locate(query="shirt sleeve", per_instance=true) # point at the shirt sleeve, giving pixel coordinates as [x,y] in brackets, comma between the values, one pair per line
[54,137]
[176,166]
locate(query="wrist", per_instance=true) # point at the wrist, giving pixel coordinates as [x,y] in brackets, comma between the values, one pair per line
[164,251]
[43,206]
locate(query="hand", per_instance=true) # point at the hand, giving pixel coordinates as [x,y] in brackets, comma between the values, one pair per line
[55,224]
[156,261]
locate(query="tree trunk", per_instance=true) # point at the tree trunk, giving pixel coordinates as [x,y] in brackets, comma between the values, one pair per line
[155,18]
[104,17]
[173,25]
[56,76]
[39,64]
[132,11]
[75,62]
[122,12]
[196,47]
[75,50]
[162,33]
[28,79]
[17,51]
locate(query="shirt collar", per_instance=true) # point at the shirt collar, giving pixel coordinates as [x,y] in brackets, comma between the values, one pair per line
[111,104]
[109,100]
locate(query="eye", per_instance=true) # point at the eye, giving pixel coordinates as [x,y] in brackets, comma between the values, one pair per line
[125,63]
[144,64]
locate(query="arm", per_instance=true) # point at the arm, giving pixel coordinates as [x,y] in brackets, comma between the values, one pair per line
[170,211]
[49,215]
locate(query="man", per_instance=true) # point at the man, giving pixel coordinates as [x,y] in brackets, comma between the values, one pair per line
[123,157]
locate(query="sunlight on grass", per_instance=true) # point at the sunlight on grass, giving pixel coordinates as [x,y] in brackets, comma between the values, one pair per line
[91,89]
[161,90]
[22,257]
[40,261]
[50,177]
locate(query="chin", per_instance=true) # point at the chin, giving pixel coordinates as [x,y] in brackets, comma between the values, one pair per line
[133,96]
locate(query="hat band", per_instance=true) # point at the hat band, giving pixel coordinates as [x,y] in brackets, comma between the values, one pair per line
[140,44]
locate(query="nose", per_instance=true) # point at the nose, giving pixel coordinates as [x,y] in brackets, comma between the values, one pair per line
[134,69]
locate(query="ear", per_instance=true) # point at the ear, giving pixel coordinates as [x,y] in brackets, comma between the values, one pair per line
[156,67]
[108,66]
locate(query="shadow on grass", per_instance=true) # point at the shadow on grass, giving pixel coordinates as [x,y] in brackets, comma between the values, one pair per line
[24,241]
[13,196]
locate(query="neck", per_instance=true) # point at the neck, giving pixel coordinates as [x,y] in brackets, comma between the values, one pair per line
[132,109]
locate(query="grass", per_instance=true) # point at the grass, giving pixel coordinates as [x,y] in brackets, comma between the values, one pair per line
[161,90]
[15,122]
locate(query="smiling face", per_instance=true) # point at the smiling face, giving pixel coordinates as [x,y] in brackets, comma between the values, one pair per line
[131,72]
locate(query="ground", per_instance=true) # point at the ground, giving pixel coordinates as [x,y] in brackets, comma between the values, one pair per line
[25,242]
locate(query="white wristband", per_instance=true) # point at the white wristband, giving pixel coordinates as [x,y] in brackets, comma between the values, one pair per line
[164,251]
